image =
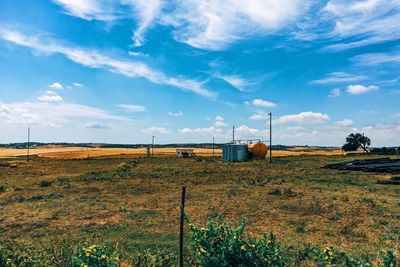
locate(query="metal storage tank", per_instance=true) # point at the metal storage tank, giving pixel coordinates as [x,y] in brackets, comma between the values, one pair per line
[234,152]
[258,150]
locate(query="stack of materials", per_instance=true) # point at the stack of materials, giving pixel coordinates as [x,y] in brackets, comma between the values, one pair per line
[381,165]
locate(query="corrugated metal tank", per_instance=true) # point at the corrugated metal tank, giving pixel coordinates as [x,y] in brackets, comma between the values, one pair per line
[234,152]
[258,150]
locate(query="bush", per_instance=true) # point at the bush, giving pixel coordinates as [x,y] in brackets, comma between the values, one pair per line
[13,255]
[222,245]
[95,256]
[159,258]
[45,183]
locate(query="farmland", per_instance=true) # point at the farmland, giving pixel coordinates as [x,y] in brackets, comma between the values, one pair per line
[76,152]
[135,202]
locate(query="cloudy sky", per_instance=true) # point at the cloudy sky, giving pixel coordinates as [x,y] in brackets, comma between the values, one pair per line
[121,71]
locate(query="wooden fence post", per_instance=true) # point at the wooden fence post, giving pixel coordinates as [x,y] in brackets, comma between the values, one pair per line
[181,226]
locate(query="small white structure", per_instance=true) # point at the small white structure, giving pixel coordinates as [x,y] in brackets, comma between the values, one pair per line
[184,153]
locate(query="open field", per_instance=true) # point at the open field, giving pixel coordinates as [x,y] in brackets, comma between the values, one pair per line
[135,202]
[62,152]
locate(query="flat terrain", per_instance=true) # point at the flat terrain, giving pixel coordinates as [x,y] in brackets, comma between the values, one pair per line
[64,152]
[135,202]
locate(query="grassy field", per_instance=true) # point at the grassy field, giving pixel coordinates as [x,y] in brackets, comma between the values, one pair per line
[135,202]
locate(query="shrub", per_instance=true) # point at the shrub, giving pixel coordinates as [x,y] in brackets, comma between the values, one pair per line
[45,183]
[95,256]
[159,258]
[13,255]
[221,245]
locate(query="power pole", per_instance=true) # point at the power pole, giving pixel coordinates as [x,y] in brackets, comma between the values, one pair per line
[152,146]
[233,134]
[29,137]
[213,147]
[270,137]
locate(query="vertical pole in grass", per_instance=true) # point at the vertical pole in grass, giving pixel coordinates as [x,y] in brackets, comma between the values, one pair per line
[29,137]
[213,148]
[270,137]
[181,226]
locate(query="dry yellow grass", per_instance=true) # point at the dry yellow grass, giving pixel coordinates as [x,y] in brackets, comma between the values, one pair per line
[62,152]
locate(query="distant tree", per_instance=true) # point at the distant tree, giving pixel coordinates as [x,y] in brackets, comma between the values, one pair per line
[355,141]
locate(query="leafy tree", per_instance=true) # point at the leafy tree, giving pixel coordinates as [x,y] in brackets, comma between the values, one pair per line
[355,141]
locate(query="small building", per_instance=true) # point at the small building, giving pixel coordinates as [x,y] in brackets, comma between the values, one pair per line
[184,153]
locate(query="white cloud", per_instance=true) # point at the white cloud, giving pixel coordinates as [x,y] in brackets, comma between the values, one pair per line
[97,126]
[88,9]
[339,77]
[50,98]
[303,118]
[77,84]
[335,92]
[94,59]
[363,22]
[263,103]
[258,117]
[132,108]
[214,24]
[209,131]
[344,123]
[244,131]
[175,114]
[156,130]
[56,86]
[361,89]
[220,122]
[50,113]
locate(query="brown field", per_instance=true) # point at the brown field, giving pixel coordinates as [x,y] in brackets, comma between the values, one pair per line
[136,202]
[84,152]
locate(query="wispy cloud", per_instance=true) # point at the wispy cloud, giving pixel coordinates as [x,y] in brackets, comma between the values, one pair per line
[156,130]
[77,84]
[51,113]
[88,9]
[335,92]
[94,59]
[146,12]
[214,25]
[97,126]
[235,81]
[363,23]
[132,108]
[339,77]
[374,59]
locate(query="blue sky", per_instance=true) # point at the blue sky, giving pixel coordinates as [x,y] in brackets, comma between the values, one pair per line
[185,71]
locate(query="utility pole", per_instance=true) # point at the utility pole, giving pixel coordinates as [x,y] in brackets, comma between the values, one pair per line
[29,137]
[213,147]
[152,146]
[270,137]
[233,134]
